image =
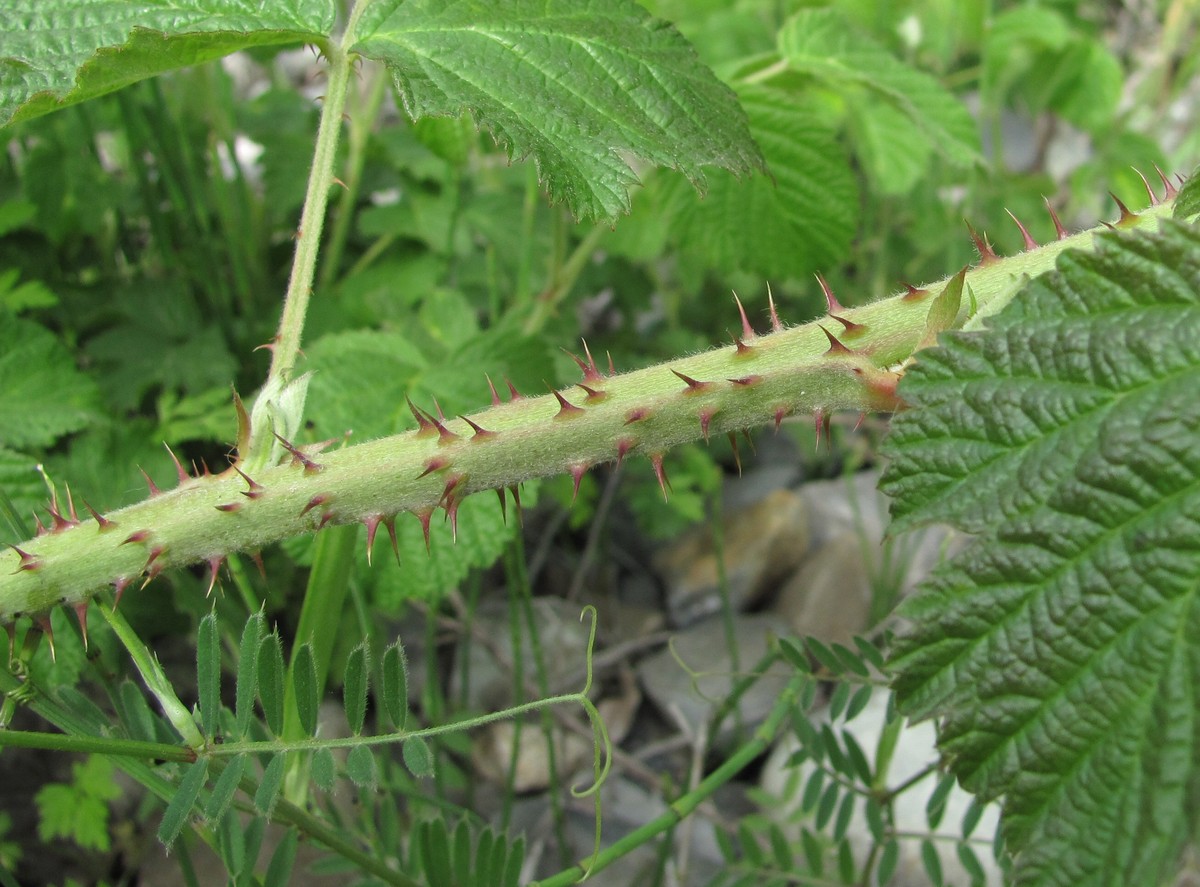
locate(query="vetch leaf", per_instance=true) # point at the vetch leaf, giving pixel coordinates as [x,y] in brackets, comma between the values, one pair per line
[323,769]
[247,672]
[1060,646]
[208,673]
[268,789]
[395,684]
[581,85]
[304,682]
[224,788]
[354,689]
[59,52]
[361,767]
[270,681]
[279,870]
[417,757]
[177,812]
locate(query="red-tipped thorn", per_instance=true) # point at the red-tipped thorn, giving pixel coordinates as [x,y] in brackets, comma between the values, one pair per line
[780,415]
[71,512]
[577,472]
[43,622]
[656,460]
[987,255]
[298,458]
[371,522]
[214,568]
[434,464]
[747,381]
[821,424]
[503,505]
[451,499]
[743,350]
[326,517]
[1149,191]
[180,471]
[480,434]
[1059,231]
[29,562]
[256,489]
[389,524]
[229,507]
[154,490]
[737,457]
[136,537]
[39,527]
[60,523]
[862,417]
[515,491]
[747,330]
[425,424]
[1030,243]
[624,446]
[1169,189]
[612,370]
[513,393]
[637,414]
[119,585]
[492,388]
[437,406]
[593,396]
[256,556]
[103,523]
[588,367]
[832,305]
[315,502]
[851,328]
[566,409]
[693,386]
[1126,216]
[914,293]
[81,609]
[425,515]
[705,418]
[835,345]
[776,326]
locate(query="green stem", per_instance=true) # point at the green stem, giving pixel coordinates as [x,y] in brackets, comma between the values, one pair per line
[96,745]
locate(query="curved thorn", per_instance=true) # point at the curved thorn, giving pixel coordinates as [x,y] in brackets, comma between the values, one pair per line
[480,432]
[566,409]
[1149,191]
[624,446]
[776,326]
[102,522]
[694,386]
[577,471]
[913,293]
[81,609]
[1126,216]
[832,305]
[1030,243]
[986,254]
[503,505]
[298,458]
[1059,231]
[851,328]
[492,389]
[737,457]
[747,330]
[29,562]
[180,471]
[1169,189]
[425,423]
[835,345]
[43,623]
[656,459]
[154,490]
[593,396]
[513,393]
[371,522]
[746,381]
[706,416]
[637,414]
[214,568]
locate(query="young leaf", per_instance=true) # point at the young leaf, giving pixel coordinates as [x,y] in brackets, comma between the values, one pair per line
[417,757]
[462,854]
[268,789]
[582,85]
[270,681]
[354,690]
[395,684]
[177,812]
[279,870]
[247,673]
[45,66]
[304,683]
[323,769]
[208,673]
[1060,645]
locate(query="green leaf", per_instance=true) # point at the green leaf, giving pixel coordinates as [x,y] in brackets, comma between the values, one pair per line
[417,757]
[1059,646]
[1187,204]
[822,44]
[247,673]
[42,395]
[304,682]
[361,767]
[354,688]
[279,869]
[79,811]
[208,673]
[581,85]
[22,492]
[268,789]
[270,681]
[59,52]
[802,220]
[323,769]
[395,684]
[180,808]
[225,788]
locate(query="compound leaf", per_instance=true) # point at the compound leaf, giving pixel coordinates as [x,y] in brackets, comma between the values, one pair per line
[1060,645]
[584,86]
[59,52]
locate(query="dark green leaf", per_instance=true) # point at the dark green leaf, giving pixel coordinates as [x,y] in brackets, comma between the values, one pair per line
[58,52]
[323,769]
[417,757]
[208,673]
[395,684]
[874,813]
[180,808]
[247,673]
[514,862]
[860,700]
[844,814]
[827,805]
[1058,645]
[857,757]
[462,854]
[268,789]
[870,652]
[932,862]
[42,395]
[851,661]
[779,848]
[135,713]
[795,654]
[935,807]
[749,844]
[361,767]
[845,860]
[270,681]
[224,788]
[435,851]
[279,869]
[304,683]
[354,689]
[837,702]
[887,863]
[812,790]
[833,752]
[825,656]
[970,820]
[814,853]
[970,862]
[582,85]
[1187,203]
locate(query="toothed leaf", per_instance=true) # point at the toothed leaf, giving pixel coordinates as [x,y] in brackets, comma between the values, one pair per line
[1187,204]
[801,221]
[582,86]
[22,492]
[821,43]
[59,52]
[1059,647]
[42,395]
